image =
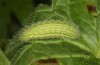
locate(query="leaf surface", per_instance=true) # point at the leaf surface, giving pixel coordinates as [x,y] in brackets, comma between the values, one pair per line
[3,59]
[85,49]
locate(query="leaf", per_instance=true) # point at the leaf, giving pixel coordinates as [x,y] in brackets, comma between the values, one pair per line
[3,59]
[98,25]
[84,49]
[68,10]
[98,19]
[80,61]
[86,22]
[33,52]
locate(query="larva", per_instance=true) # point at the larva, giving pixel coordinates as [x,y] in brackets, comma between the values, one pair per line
[47,31]
[50,29]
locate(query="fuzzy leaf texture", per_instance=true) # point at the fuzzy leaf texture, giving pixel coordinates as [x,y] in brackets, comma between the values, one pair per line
[75,42]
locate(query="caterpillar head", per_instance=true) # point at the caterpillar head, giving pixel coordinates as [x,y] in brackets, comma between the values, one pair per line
[50,29]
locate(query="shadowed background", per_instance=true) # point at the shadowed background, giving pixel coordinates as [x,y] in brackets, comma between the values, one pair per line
[12,16]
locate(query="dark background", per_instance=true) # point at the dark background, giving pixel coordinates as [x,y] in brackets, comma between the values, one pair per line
[12,16]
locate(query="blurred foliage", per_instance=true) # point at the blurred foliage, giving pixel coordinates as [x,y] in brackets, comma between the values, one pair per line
[4,20]
[13,14]
[3,59]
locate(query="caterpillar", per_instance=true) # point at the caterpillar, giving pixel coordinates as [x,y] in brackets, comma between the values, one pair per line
[50,29]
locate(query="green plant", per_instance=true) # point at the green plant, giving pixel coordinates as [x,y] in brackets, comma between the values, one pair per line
[3,59]
[67,32]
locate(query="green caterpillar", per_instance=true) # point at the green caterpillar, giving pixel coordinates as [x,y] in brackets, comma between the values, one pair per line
[50,29]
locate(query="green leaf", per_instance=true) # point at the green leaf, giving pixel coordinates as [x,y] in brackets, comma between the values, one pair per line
[83,50]
[86,22]
[98,19]
[70,11]
[98,25]
[33,52]
[3,59]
